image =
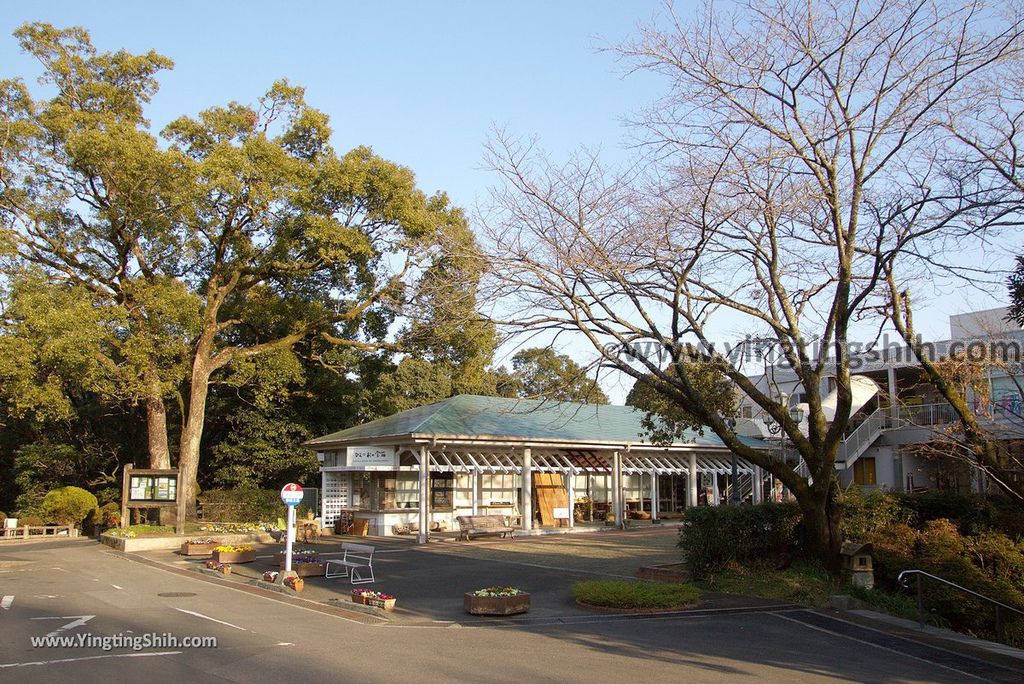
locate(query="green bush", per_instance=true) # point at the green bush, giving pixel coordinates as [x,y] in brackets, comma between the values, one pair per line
[30,519]
[628,594]
[111,513]
[864,512]
[68,505]
[241,505]
[712,536]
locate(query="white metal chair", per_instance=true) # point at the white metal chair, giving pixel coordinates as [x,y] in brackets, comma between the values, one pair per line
[357,558]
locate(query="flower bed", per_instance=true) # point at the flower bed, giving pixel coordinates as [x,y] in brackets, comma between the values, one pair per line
[496,601]
[234,554]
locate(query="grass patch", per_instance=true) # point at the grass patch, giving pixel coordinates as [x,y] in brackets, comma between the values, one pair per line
[636,595]
[150,530]
[802,582]
[900,605]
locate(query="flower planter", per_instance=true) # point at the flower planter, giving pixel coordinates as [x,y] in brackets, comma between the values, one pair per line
[280,556]
[309,569]
[235,557]
[295,583]
[495,605]
[386,604]
[190,549]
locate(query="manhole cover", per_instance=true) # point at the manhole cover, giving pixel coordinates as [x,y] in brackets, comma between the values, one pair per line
[176,594]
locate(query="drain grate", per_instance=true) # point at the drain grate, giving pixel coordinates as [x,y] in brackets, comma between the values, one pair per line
[176,594]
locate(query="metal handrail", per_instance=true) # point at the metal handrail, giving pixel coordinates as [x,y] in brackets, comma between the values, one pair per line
[903,578]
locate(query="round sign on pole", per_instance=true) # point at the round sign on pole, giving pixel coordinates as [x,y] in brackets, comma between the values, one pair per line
[291,494]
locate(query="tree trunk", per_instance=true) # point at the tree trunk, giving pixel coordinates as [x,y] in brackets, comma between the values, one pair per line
[821,517]
[156,424]
[192,434]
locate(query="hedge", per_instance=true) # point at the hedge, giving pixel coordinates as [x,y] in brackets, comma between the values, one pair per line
[712,536]
[241,505]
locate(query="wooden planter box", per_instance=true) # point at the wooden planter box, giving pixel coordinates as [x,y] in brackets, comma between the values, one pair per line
[495,605]
[309,569]
[188,549]
[386,604]
[238,557]
[280,556]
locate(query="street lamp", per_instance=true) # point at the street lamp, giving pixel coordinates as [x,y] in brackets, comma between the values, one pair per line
[775,428]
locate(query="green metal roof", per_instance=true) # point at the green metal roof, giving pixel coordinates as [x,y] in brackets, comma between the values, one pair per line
[535,420]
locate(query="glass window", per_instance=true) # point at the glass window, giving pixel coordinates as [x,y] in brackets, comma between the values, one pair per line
[441,488]
[498,489]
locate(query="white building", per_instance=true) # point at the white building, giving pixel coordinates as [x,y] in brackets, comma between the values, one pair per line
[523,459]
[896,408]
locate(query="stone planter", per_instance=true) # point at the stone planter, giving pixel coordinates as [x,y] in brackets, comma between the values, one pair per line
[234,557]
[309,569]
[495,605]
[188,549]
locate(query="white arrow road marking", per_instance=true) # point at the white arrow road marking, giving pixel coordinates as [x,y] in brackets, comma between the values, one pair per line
[76,621]
[207,617]
[95,657]
[6,602]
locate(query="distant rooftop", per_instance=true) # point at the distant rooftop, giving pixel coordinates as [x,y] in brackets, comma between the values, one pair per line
[478,418]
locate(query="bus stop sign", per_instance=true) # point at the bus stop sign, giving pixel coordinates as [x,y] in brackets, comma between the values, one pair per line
[291,494]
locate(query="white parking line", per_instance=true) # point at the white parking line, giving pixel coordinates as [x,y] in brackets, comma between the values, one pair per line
[207,617]
[6,602]
[95,657]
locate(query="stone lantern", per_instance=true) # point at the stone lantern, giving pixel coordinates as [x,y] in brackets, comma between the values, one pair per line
[857,560]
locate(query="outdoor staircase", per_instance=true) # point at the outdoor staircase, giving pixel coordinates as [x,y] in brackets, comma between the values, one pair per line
[858,441]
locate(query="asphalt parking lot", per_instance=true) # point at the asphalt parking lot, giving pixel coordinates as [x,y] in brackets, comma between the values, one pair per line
[74,588]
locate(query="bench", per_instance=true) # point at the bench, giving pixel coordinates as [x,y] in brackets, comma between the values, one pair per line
[358,557]
[481,525]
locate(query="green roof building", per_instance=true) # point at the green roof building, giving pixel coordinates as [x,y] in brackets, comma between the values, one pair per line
[538,464]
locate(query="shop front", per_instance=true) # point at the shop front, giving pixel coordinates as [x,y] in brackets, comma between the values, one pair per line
[537,464]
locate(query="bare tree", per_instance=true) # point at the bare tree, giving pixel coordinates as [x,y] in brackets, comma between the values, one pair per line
[798,158]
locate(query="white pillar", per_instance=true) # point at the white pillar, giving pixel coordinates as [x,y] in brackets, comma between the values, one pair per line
[691,482]
[424,532]
[475,488]
[714,489]
[617,488]
[570,489]
[894,409]
[527,490]
[757,482]
[654,495]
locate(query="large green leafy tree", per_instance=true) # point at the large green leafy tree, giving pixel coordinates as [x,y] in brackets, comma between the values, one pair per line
[241,233]
[543,373]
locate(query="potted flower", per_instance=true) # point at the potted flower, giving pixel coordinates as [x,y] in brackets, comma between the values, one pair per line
[222,568]
[294,583]
[270,576]
[496,601]
[228,553]
[197,547]
[361,595]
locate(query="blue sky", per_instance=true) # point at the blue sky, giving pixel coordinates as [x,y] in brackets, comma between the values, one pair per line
[420,82]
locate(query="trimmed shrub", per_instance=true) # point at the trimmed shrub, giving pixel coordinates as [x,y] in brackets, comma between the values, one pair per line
[30,519]
[68,505]
[627,594]
[712,536]
[241,505]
